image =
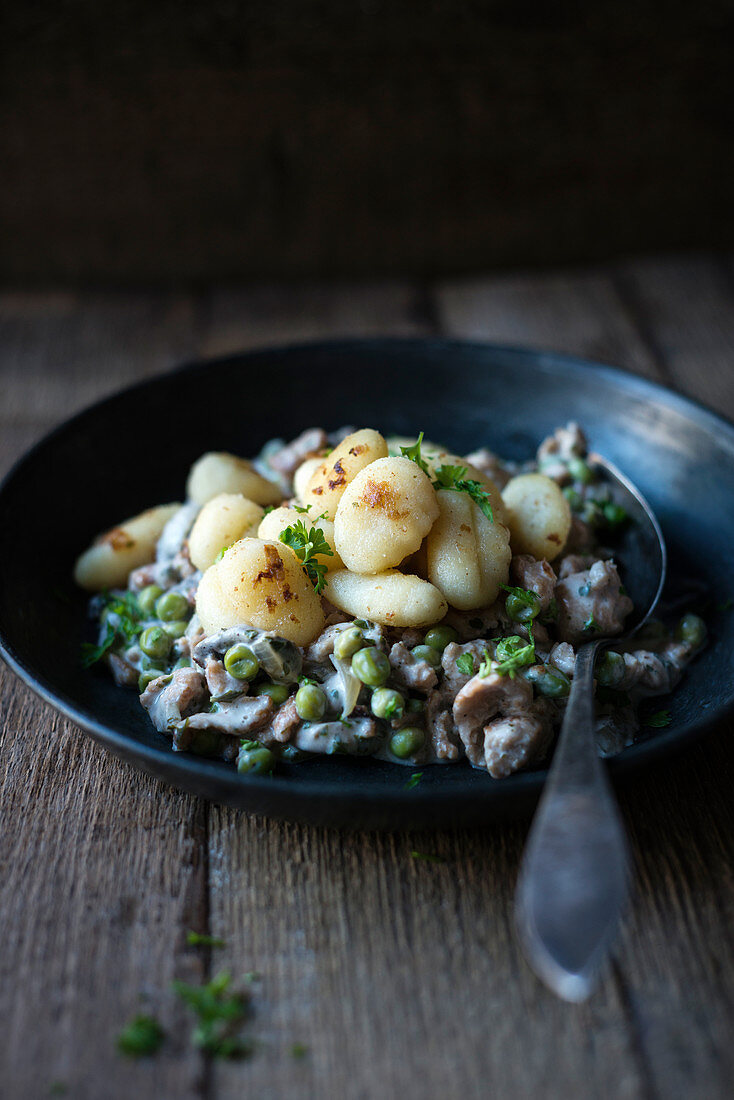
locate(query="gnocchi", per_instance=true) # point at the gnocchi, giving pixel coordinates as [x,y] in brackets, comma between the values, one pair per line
[113,555]
[331,477]
[539,516]
[223,520]
[218,472]
[384,515]
[390,598]
[261,583]
[468,554]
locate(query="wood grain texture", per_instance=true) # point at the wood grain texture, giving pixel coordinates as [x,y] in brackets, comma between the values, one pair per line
[401,977]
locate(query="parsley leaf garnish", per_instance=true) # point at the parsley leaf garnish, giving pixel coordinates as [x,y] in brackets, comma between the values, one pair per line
[298,1050]
[512,653]
[465,664]
[427,857]
[143,1036]
[201,939]
[450,477]
[591,625]
[414,454]
[659,720]
[122,624]
[220,1015]
[307,544]
[413,781]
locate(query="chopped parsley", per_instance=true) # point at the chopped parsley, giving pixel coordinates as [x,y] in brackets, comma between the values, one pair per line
[659,720]
[511,654]
[201,939]
[140,1038]
[307,544]
[450,477]
[427,857]
[298,1050]
[465,664]
[121,616]
[414,454]
[220,1015]
[591,626]
[453,477]
[413,781]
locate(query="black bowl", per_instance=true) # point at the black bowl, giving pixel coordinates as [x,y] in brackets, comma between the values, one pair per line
[134,450]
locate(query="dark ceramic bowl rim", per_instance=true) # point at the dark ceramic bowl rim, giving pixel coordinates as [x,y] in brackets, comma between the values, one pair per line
[198,775]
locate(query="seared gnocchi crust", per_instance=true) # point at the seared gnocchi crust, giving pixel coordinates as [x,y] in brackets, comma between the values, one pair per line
[261,583]
[331,477]
[468,554]
[113,555]
[539,516]
[390,598]
[384,515]
[218,472]
[223,520]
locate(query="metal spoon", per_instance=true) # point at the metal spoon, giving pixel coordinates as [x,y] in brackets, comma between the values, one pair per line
[574,877]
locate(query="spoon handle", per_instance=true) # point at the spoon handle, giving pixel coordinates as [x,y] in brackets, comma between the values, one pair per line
[575,872]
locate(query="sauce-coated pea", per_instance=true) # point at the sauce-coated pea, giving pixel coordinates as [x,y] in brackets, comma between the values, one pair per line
[241,662]
[310,702]
[371,666]
[407,741]
[171,606]
[440,636]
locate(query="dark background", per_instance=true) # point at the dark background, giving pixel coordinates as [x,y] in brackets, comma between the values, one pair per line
[168,142]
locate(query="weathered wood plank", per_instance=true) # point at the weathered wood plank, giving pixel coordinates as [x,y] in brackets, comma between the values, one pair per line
[575,312]
[103,870]
[255,317]
[684,308]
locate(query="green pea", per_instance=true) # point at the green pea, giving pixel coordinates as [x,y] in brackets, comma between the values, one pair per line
[371,666]
[147,676]
[429,654]
[580,470]
[407,741]
[415,706]
[692,630]
[176,629]
[277,692]
[523,609]
[387,703]
[610,668]
[614,514]
[171,606]
[348,642]
[182,662]
[154,642]
[147,599]
[548,681]
[310,702]
[241,662]
[440,636]
[256,760]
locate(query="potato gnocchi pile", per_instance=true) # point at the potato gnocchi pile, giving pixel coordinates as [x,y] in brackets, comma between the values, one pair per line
[362,594]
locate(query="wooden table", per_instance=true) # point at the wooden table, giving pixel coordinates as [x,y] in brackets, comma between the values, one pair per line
[401,977]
